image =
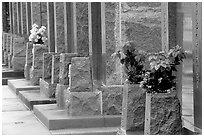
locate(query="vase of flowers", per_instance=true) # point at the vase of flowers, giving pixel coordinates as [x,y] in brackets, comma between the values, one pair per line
[37,36]
[133,106]
[159,82]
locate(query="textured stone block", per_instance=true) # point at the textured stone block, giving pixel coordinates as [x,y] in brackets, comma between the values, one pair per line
[165,114]
[29,54]
[18,63]
[35,75]
[11,45]
[8,43]
[65,60]
[6,57]
[47,66]
[27,72]
[84,103]
[55,68]
[80,75]
[38,51]
[60,95]
[19,47]
[47,89]
[4,40]
[9,61]
[133,112]
[112,97]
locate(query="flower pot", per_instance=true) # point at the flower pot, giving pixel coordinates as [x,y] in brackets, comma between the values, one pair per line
[133,108]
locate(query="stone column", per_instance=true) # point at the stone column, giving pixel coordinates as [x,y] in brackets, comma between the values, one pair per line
[51,26]
[197,65]
[59,27]
[96,46]
[24,20]
[15,25]
[19,18]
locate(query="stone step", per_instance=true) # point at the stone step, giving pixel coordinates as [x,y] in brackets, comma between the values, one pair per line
[33,97]
[86,131]
[55,118]
[12,73]
[21,85]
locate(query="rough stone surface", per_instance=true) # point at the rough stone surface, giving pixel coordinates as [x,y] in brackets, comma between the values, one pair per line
[27,72]
[112,97]
[18,63]
[82,28]
[60,27]
[80,75]
[29,59]
[84,103]
[165,114]
[8,43]
[55,68]
[24,23]
[60,95]
[19,47]
[44,14]
[47,89]
[133,113]
[36,13]
[47,66]
[65,60]
[15,28]
[38,51]
[35,75]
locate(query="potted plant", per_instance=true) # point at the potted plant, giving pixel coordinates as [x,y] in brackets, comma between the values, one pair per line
[133,105]
[160,82]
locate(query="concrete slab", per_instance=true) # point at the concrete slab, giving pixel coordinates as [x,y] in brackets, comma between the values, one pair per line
[33,97]
[22,123]
[55,118]
[21,85]
[86,131]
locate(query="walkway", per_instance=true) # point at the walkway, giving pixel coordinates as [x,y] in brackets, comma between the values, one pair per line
[17,119]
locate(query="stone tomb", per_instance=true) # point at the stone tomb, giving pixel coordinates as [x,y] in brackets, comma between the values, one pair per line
[37,63]
[65,61]
[47,85]
[19,53]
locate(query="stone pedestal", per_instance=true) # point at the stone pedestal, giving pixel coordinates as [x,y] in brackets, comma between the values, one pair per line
[65,61]
[112,97]
[133,112]
[80,75]
[29,59]
[81,100]
[37,63]
[47,89]
[61,95]
[55,68]
[47,66]
[84,103]
[19,53]
[165,114]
